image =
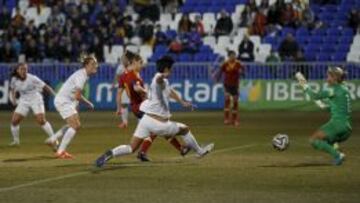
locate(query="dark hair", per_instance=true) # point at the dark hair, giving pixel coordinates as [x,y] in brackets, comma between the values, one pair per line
[14,72]
[231,52]
[129,56]
[163,63]
[136,57]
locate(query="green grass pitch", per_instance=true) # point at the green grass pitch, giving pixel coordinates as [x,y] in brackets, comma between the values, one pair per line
[243,168]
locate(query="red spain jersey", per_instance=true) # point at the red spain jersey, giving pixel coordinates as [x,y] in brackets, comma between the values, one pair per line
[232,72]
[121,79]
[131,79]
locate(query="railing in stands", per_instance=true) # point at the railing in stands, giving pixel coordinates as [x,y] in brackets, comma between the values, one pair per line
[199,70]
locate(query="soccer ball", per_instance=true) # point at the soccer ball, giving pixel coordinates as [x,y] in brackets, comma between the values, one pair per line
[281,142]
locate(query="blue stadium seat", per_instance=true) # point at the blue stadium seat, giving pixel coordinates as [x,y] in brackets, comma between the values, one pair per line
[316,39]
[323,57]
[333,32]
[344,48]
[185,58]
[327,48]
[205,49]
[161,49]
[339,56]
[312,48]
[345,39]
[302,31]
[200,57]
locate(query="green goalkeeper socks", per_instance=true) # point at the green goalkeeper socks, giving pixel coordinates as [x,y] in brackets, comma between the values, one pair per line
[326,147]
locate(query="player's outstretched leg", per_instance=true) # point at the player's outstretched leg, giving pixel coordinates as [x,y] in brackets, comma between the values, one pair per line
[318,141]
[191,142]
[120,150]
[74,126]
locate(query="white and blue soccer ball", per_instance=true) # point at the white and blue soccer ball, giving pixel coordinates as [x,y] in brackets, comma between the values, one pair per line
[281,142]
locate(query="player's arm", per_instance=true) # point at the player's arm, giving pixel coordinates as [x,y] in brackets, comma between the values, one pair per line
[321,95]
[13,97]
[139,89]
[81,98]
[119,100]
[49,90]
[174,95]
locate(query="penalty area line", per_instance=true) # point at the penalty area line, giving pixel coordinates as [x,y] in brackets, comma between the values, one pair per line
[82,173]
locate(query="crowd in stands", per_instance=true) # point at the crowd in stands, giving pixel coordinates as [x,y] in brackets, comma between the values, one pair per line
[60,30]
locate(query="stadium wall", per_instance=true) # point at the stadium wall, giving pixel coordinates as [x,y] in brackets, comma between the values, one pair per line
[260,89]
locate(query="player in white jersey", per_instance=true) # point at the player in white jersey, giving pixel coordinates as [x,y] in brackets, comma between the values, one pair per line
[157,117]
[66,102]
[30,88]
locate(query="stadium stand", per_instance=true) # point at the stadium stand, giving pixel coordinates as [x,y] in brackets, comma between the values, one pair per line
[47,30]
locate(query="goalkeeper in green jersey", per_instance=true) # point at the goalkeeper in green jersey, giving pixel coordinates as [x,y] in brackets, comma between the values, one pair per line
[336,99]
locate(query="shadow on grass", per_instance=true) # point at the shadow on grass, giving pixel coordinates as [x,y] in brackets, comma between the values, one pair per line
[117,166]
[297,165]
[37,158]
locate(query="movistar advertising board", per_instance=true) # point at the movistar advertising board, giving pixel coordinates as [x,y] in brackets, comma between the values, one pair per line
[254,94]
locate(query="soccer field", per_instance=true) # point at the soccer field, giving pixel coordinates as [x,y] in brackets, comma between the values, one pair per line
[243,167]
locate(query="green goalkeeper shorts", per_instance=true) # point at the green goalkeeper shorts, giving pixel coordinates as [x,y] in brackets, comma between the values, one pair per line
[336,131]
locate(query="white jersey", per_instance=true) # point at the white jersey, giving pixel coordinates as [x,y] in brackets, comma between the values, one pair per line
[30,89]
[157,102]
[76,81]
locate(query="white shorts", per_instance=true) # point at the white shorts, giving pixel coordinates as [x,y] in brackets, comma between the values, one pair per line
[65,108]
[125,98]
[24,108]
[148,125]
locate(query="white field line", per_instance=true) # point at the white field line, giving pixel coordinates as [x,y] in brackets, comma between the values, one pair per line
[81,173]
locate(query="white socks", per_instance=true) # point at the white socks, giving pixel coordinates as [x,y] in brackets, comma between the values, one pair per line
[125,115]
[48,129]
[121,150]
[69,135]
[191,142]
[15,133]
[59,133]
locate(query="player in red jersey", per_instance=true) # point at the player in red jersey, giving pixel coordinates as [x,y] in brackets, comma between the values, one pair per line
[134,86]
[122,97]
[232,70]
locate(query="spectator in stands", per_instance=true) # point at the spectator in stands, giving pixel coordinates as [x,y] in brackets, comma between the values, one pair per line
[288,48]
[301,67]
[185,24]
[7,53]
[224,24]
[16,45]
[272,59]
[5,17]
[192,41]
[259,23]
[288,17]
[58,16]
[308,17]
[252,5]
[246,50]
[18,20]
[264,5]
[272,16]
[151,12]
[199,25]
[31,51]
[170,6]
[161,37]
[354,20]
[247,17]
[176,46]
[146,31]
